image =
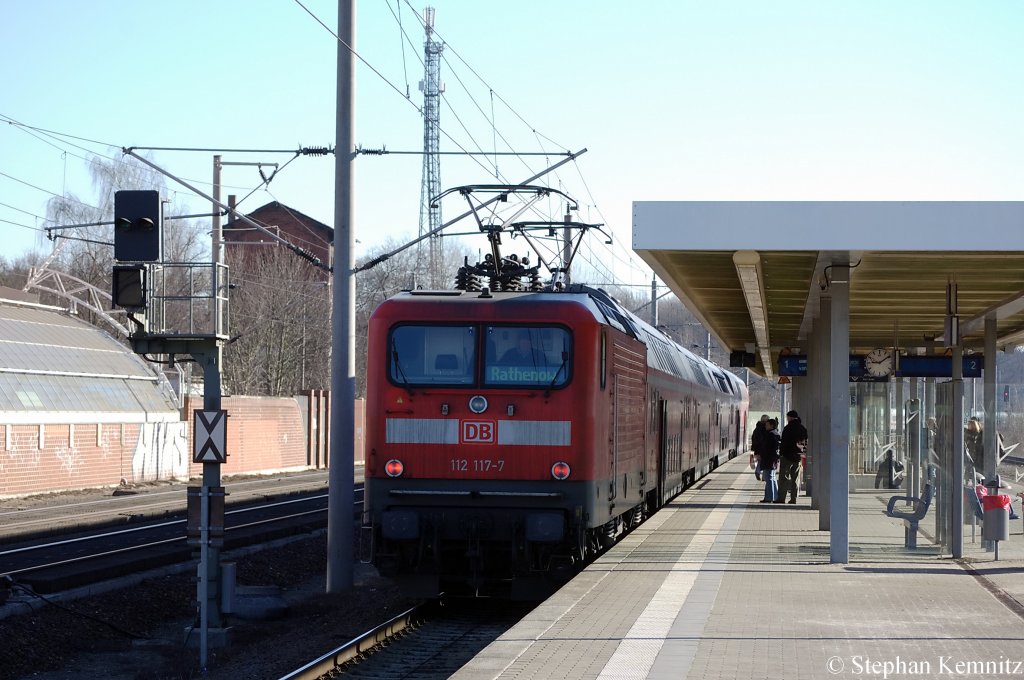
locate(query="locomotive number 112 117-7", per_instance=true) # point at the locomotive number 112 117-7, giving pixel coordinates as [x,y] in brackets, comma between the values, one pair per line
[477,465]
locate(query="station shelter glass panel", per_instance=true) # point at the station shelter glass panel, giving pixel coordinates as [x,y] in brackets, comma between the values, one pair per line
[889,461]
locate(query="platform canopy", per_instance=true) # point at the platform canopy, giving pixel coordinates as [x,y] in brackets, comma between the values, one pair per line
[753,272]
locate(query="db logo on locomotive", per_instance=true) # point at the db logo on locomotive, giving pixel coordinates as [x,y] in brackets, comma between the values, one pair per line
[478,431]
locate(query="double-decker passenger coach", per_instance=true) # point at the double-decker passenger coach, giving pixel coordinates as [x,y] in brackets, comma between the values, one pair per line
[512,435]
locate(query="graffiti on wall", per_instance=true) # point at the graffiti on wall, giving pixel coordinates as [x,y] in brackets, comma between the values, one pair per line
[161,452]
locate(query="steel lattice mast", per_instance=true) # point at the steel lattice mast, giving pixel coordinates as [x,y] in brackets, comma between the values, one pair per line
[432,88]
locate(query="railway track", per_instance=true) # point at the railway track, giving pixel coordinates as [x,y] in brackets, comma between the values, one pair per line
[428,642]
[69,561]
[23,518]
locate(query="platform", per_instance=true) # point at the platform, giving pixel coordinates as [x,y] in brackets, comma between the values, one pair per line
[717,585]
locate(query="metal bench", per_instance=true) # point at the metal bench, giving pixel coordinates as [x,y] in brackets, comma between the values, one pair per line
[911,517]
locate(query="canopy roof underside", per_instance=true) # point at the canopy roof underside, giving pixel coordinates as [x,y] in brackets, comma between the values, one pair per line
[898,297]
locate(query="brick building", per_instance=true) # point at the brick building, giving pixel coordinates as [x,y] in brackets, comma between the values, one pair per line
[297,228]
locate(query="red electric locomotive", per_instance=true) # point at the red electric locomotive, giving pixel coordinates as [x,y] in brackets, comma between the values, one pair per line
[511,436]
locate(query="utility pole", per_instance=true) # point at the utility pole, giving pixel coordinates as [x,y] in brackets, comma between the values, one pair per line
[654,300]
[340,531]
[215,235]
[566,248]
[432,88]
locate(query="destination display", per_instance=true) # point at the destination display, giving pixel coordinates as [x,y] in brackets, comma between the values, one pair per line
[910,366]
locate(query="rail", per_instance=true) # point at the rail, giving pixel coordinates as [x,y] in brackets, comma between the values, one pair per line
[353,648]
[21,573]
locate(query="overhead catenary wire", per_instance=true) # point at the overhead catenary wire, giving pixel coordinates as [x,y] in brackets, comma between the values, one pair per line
[12,121]
[378,73]
[374,262]
[30,214]
[394,87]
[302,223]
[306,255]
[64,196]
[401,35]
[95,154]
[387,152]
[493,152]
[23,226]
[300,151]
[630,260]
[355,54]
[453,110]
[482,80]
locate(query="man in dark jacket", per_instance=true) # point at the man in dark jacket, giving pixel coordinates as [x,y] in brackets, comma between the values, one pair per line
[794,440]
[770,461]
[756,443]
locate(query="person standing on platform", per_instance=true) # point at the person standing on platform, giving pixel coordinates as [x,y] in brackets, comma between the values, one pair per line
[974,443]
[791,448]
[756,442]
[770,461]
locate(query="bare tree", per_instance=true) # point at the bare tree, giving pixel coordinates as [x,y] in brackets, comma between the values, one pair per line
[14,273]
[88,255]
[404,271]
[281,317]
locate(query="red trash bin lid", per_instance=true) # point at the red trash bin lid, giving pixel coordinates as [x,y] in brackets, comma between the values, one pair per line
[995,502]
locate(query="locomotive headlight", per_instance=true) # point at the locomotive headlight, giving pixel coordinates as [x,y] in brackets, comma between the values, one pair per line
[394,468]
[478,404]
[560,470]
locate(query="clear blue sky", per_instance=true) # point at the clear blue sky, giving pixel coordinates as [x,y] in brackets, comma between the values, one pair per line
[674,99]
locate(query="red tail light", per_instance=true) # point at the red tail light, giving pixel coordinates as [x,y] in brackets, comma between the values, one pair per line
[560,470]
[394,468]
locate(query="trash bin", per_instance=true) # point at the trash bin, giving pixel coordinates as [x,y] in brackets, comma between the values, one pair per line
[996,525]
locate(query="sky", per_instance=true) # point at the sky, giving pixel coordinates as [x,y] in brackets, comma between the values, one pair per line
[673,99]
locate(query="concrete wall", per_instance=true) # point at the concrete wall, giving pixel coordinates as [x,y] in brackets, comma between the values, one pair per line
[60,456]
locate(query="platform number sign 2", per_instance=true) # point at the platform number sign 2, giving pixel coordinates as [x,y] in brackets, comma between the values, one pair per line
[210,440]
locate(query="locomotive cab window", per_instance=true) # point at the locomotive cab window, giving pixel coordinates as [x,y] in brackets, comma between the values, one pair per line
[527,356]
[432,355]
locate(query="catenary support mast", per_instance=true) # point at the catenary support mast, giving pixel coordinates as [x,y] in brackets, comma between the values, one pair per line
[340,530]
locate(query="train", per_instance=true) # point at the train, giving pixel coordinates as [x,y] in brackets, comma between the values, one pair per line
[511,436]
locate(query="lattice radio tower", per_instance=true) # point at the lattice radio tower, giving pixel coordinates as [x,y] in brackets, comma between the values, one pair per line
[432,88]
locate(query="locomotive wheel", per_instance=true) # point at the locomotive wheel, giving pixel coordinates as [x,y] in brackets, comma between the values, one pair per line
[608,533]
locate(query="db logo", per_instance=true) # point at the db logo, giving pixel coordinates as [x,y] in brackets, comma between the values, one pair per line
[478,431]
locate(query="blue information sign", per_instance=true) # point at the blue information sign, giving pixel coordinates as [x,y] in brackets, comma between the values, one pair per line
[793,364]
[939,366]
[911,366]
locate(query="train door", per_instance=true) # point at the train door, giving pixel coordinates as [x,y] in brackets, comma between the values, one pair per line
[662,448]
[737,436]
[699,422]
[616,436]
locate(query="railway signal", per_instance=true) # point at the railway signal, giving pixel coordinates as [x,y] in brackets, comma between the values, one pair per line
[138,223]
[129,287]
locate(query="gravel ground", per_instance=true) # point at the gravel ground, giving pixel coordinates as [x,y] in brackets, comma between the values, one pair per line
[138,632]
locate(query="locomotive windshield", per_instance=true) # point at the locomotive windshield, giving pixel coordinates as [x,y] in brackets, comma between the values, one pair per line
[514,356]
[526,356]
[432,355]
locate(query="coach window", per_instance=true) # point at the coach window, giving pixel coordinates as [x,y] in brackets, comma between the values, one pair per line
[527,356]
[432,355]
